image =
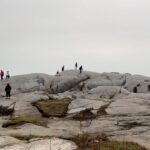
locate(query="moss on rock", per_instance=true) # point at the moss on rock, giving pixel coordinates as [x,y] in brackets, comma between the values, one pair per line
[22,120]
[53,108]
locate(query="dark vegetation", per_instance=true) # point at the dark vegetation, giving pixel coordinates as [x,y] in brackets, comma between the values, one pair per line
[102,110]
[7,110]
[85,115]
[101,142]
[22,120]
[130,125]
[53,108]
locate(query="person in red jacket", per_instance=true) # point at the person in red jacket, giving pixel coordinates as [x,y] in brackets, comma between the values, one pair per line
[2,74]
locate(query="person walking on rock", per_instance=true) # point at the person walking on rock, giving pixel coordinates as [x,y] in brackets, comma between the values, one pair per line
[63,68]
[2,74]
[81,69]
[8,90]
[7,75]
[76,65]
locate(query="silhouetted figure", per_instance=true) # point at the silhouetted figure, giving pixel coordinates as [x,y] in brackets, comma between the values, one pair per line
[80,69]
[7,75]
[76,65]
[148,87]
[8,90]
[2,74]
[63,68]
[57,73]
[135,90]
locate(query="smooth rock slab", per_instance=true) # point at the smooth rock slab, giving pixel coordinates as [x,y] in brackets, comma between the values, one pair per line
[7,140]
[108,92]
[53,144]
[82,104]
[46,144]
[129,107]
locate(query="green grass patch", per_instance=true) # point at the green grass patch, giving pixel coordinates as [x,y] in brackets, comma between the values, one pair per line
[25,137]
[22,120]
[29,137]
[101,142]
[53,108]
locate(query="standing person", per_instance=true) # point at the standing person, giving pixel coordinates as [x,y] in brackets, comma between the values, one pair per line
[76,65]
[7,75]
[57,73]
[63,68]
[2,74]
[8,90]
[81,69]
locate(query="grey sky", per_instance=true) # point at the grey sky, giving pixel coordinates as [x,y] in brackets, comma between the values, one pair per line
[102,35]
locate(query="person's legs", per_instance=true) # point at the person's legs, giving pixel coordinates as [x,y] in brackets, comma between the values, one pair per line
[6,93]
[7,77]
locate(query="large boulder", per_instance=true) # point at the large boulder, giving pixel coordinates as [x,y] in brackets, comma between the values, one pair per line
[108,92]
[106,79]
[27,83]
[141,83]
[82,104]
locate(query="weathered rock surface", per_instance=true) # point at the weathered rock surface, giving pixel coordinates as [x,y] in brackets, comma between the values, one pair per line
[8,141]
[127,107]
[43,144]
[126,99]
[82,104]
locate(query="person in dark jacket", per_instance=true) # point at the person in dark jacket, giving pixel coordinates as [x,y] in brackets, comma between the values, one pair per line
[81,69]
[63,68]
[8,90]
[57,73]
[76,65]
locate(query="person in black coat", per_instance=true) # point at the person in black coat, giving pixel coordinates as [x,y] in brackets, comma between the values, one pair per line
[8,90]
[81,69]
[63,68]
[76,65]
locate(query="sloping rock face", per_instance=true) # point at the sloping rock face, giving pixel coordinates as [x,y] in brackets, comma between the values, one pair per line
[27,83]
[124,98]
[45,144]
[129,107]
[8,141]
[72,79]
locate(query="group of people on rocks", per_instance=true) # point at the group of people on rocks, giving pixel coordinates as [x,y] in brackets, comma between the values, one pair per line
[7,87]
[2,75]
[76,67]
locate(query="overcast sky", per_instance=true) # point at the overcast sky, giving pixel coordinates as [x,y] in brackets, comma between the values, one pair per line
[39,36]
